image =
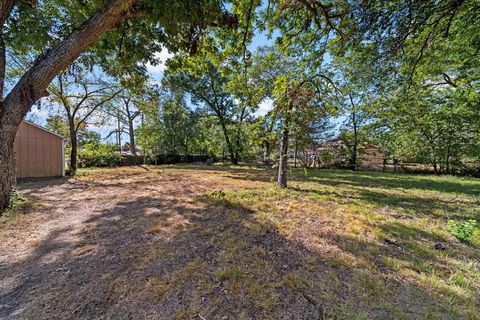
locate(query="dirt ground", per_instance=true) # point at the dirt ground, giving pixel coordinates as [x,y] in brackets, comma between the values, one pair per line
[90,246]
[162,244]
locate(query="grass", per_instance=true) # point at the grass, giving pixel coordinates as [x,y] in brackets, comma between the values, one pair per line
[384,227]
[222,240]
[16,214]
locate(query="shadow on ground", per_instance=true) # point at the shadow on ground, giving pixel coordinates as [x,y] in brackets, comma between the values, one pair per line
[195,256]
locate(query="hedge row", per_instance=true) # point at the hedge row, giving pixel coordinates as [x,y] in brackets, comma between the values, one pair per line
[115,160]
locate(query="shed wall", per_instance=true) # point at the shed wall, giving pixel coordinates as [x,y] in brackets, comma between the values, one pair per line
[38,153]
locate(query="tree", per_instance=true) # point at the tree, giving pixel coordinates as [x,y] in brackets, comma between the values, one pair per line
[33,83]
[429,105]
[208,87]
[126,108]
[75,31]
[81,97]
[357,85]
[59,124]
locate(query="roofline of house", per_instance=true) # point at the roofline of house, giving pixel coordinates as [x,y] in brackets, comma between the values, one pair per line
[44,129]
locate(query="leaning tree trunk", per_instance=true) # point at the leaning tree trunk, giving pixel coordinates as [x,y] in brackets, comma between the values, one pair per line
[282,167]
[7,168]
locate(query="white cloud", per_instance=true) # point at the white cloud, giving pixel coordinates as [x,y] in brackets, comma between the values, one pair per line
[264,107]
[162,57]
[37,115]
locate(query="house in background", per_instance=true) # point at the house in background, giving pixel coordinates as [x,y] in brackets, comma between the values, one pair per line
[39,152]
[371,158]
[334,153]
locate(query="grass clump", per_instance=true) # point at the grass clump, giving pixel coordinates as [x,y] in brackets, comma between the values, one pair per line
[231,273]
[463,231]
[294,281]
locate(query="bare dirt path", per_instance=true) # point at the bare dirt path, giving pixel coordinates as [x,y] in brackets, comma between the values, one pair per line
[82,249]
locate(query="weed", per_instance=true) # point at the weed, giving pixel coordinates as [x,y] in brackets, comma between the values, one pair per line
[462,230]
[294,281]
[231,273]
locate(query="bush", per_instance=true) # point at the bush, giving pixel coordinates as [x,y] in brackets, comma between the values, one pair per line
[462,230]
[98,155]
[132,160]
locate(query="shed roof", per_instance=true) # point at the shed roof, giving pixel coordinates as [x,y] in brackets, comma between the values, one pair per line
[44,129]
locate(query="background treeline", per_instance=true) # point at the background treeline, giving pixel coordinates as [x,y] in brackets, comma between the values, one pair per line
[403,76]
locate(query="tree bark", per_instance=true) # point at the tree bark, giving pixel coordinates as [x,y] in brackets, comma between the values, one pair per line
[131,130]
[32,85]
[6,7]
[74,148]
[230,147]
[266,152]
[131,133]
[7,168]
[2,64]
[73,155]
[295,153]
[282,167]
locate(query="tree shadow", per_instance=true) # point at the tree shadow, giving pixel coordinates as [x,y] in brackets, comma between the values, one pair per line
[388,180]
[164,257]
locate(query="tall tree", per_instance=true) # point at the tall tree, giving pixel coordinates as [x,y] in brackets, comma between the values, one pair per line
[81,97]
[28,26]
[208,87]
[33,83]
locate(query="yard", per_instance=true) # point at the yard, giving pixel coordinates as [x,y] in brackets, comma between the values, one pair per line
[212,242]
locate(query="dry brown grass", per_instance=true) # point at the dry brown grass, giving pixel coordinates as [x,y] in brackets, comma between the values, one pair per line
[178,241]
[83,249]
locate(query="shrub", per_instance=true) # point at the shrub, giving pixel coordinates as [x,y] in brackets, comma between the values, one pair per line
[462,230]
[132,160]
[98,155]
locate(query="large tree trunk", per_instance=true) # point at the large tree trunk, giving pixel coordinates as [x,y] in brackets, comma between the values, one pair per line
[282,167]
[7,167]
[32,85]
[231,149]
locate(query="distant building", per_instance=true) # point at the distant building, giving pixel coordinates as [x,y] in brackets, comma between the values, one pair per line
[371,157]
[334,153]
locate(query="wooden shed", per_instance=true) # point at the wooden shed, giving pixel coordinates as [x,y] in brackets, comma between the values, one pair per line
[39,152]
[372,158]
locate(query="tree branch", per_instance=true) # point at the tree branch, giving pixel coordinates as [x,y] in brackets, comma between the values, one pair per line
[6,7]
[95,107]
[32,85]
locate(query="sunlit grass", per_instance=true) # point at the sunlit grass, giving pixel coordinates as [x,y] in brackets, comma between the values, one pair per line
[383,225]
[355,245]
